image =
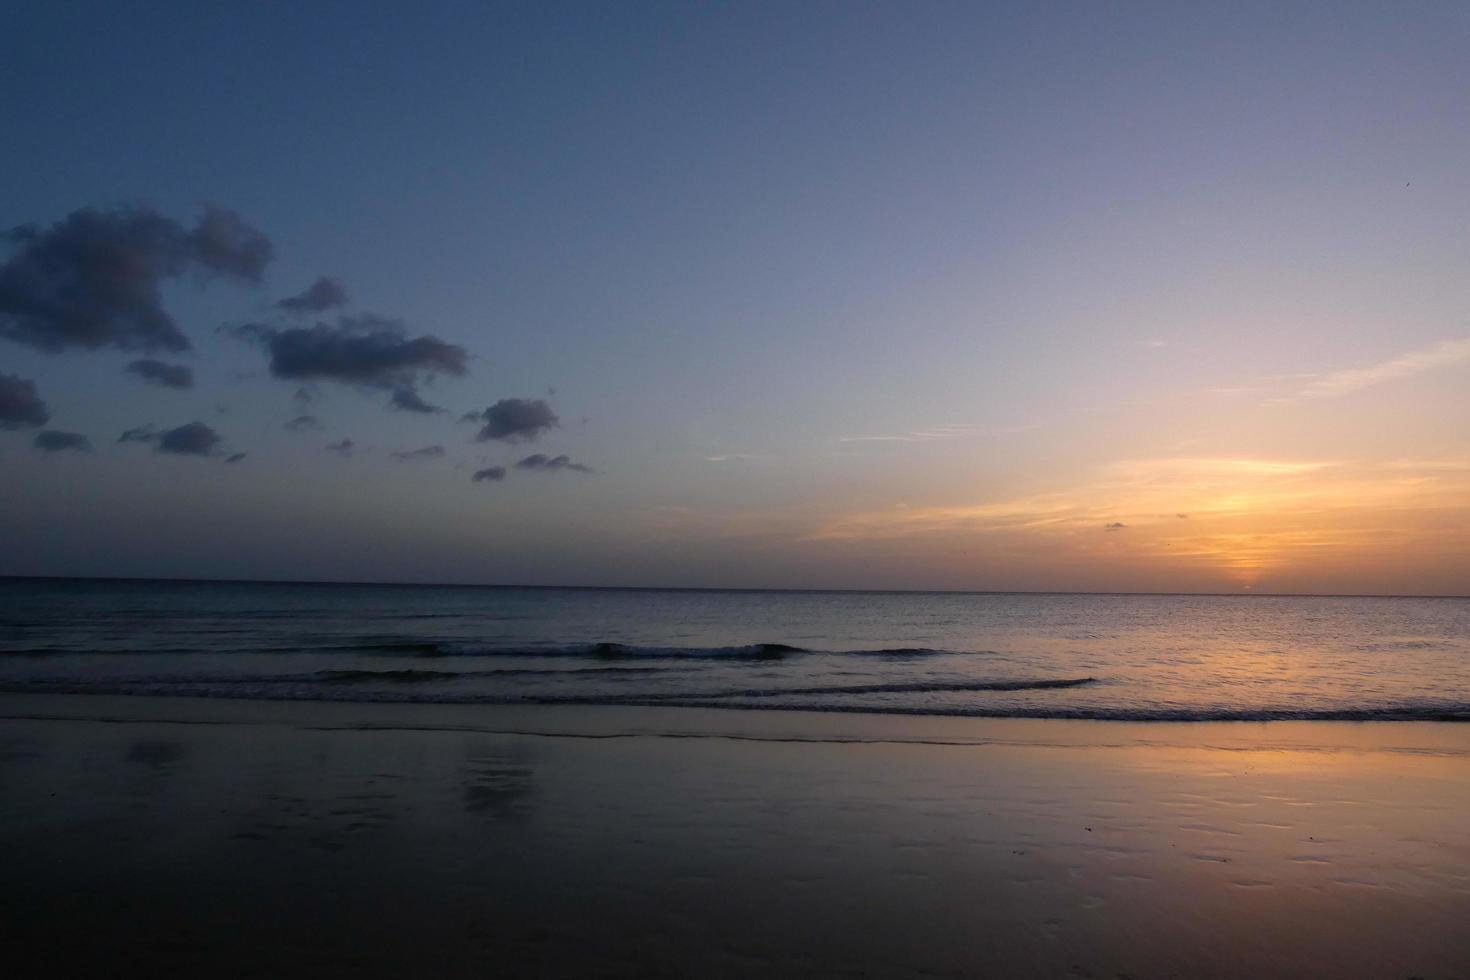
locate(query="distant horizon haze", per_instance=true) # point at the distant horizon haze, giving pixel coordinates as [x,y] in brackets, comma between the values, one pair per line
[816,590]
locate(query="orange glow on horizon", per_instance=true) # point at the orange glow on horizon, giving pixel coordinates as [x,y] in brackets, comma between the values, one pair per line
[1240,519]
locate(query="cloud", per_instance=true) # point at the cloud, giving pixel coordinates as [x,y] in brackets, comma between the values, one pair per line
[366,351]
[303,423]
[20,404]
[143,433]
[235,457]
[1446,353]
[515,420]
[324,294]
[93,279]
[51,441]
[489,473]
[428,452]
[936,433]
[227,245]
[165,375]
[540,463]
[1136,491]
[408,400]
[1114,526]
[192,439]
[343,448]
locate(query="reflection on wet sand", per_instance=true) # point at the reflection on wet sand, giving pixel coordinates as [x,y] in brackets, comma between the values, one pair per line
[498,785]
[156,753]
[387,846]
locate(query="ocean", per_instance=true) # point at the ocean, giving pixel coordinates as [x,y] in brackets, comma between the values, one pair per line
[1124,657]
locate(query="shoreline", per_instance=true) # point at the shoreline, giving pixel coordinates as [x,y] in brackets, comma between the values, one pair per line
[591,720]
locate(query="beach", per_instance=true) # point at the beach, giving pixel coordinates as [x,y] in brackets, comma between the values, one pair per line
[630,491]
[188,836]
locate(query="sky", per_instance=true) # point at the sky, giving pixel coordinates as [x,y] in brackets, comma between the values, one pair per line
[1074,297]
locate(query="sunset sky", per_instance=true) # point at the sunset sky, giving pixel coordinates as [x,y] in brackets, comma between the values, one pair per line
[912,295]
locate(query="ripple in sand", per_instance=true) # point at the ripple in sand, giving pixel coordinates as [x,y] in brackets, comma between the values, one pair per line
[1204,828]
[1129,876]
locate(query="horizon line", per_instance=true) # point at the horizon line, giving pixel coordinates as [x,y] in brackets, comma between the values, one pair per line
[695,588]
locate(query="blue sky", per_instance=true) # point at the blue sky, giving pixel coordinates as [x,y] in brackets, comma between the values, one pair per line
[781,270]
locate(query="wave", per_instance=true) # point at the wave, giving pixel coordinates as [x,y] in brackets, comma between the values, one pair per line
[318,676]
[261,689]
[266,683]
[1459,712]
[919,687]
[592,651]
[416,676]
[434,648]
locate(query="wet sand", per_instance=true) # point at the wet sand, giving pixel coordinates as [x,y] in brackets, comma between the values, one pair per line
[152,836]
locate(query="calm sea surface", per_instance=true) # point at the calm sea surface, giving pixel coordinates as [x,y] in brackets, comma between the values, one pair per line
[1064,656]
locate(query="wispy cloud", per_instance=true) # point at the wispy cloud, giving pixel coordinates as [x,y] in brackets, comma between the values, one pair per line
[1147,492]
[1245,517]
[939,433]
[409,455]
[1446,353]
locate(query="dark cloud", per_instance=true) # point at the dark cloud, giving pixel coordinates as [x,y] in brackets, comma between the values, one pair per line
[193,439]
[515,420]
[235,457]
[303,423]
[367,351]
[408,400]
[20,404]
[143,433]
[307,395]
[343,448]
[159,373]
[93,279]
[550,464]
[490,473]
[51,441]
[428,452]
[1115,526]
[324,294]
[229,246]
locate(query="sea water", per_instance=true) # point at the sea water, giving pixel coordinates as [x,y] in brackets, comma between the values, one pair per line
[1139,657]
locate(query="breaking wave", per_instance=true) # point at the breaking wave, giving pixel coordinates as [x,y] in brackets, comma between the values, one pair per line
[432,648]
